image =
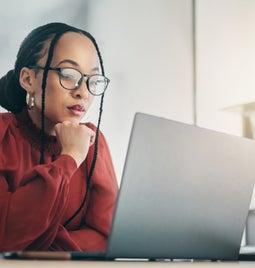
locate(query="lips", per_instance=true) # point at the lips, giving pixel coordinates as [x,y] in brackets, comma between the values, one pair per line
[77,108]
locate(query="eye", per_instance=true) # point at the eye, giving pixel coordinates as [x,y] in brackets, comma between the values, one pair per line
[93,83]
[96,80]
[68,74]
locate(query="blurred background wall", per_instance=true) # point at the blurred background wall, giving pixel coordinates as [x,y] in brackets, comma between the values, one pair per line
[188,60]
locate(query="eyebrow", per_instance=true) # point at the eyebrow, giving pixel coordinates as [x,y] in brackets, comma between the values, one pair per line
[95,69]
[74,63]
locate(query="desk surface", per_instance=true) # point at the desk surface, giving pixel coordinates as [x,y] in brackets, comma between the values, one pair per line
[120,264]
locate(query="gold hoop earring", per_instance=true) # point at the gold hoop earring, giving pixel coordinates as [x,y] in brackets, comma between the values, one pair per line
[30,99]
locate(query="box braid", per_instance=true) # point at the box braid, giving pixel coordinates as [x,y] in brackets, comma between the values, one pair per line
[12,95]
[93,164]
[44,82]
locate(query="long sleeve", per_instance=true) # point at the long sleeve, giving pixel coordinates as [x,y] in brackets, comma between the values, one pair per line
[36,200]
[97,217]
[33,212]
[33,198]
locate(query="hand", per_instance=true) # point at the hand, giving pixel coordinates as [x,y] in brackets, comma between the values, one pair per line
[74,139]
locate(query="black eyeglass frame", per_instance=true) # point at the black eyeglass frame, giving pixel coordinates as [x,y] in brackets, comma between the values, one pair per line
[58,69]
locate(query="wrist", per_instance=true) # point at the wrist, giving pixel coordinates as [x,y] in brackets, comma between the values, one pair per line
[77,158]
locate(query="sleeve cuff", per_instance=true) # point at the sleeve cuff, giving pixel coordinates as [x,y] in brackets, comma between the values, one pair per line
[65,160]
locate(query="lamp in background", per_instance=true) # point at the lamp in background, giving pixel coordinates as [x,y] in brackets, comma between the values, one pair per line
[247,112]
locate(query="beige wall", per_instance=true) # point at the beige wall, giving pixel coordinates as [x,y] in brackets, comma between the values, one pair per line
[225,61]
[147,48]
[225,64]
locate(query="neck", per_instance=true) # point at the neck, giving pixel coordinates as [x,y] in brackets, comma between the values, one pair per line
[49,127]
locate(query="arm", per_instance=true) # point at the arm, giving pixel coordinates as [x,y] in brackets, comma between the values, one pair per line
[93,235]
[96,221]
[30,215]
[32,203]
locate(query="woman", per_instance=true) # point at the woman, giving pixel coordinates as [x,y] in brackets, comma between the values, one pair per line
[57,182]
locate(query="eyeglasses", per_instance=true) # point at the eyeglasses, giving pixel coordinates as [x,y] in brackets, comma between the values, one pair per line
[71,79]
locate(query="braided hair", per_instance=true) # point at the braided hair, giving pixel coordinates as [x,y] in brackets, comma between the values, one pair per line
[13,96]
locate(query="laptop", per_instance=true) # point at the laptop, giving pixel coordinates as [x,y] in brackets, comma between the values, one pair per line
[185,193]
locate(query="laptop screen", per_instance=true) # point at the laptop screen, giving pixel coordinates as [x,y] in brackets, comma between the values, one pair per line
[185,192]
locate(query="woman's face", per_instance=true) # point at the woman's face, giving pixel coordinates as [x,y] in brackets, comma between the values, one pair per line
[72,50]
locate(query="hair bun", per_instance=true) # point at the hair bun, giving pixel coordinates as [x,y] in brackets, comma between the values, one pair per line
[11,94]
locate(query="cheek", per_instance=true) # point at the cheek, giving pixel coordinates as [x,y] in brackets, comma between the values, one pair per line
[53,90]
[52,98]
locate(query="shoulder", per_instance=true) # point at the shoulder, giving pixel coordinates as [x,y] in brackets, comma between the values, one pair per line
[90,125]
[7,121]
[94,128]
[102,142]
[104,173]
[7,116]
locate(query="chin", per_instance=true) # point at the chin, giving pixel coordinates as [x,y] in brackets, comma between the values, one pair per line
[74,120]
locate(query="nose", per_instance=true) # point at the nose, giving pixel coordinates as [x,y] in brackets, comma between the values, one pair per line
[82,92]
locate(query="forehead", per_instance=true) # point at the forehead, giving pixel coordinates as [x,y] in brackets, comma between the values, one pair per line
[76,47]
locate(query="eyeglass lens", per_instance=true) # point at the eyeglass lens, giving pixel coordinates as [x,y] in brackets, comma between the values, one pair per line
[72,79]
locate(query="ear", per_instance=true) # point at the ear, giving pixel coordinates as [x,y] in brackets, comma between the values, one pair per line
[26,79]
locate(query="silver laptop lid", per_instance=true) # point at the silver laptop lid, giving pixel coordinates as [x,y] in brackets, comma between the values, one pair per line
[185,192]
